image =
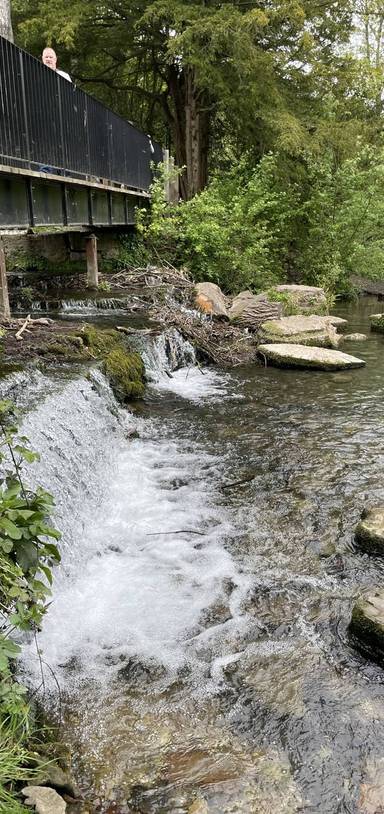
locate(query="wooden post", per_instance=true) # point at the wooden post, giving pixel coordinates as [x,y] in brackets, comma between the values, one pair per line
[92,267]
[5,311]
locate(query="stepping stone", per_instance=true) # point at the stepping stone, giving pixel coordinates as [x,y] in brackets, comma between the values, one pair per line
[367,623]
[300,356]
[300,330]
[369,533]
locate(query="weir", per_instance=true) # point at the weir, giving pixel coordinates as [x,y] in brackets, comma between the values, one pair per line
[198,628]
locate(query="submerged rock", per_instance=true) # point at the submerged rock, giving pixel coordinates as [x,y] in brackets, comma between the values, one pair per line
[369,533]
[251,310]
[299,299]
[211,300]
[355,337]
[199,807]
[300,330]
[367,623]
[46,801]
[377,323]
[301,356]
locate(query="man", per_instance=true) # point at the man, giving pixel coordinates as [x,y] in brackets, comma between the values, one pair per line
[49,59]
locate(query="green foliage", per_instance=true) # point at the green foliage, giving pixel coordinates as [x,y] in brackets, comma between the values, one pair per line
[316,222]
[27,554]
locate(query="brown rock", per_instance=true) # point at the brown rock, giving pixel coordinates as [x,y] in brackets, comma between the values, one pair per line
[251,310]
[210,300]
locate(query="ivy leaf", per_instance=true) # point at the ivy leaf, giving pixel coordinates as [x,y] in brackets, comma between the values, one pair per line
[10,528]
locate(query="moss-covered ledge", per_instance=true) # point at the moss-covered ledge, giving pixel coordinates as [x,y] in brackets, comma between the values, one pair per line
[123,367]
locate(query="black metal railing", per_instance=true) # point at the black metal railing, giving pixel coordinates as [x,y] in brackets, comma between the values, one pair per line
[49,125]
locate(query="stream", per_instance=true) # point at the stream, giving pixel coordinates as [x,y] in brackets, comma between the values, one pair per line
[198,629]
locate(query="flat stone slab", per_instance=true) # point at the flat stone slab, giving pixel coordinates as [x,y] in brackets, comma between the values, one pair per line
[367,623]
[45,800]
[300,330]
[301,356]
[369,533]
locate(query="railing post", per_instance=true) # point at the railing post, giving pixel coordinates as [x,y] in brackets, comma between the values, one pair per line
[92,266]
[5,311]
[24,103]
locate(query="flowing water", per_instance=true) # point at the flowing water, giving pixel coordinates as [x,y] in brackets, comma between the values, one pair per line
[198,628]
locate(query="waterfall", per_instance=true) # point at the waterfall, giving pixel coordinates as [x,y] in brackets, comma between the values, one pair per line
[143,547]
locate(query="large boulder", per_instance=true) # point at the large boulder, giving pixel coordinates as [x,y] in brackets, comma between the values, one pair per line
[301,356]
[369,533]
[300,299]
[300,330]
[377,323]
[367,623]
[251,310]
[210,300]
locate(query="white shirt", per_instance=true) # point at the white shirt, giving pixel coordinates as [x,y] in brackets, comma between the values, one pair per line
[64,74]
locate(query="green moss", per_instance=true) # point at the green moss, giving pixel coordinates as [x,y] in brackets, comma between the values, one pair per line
[99,342]
[125,372]
[377,323]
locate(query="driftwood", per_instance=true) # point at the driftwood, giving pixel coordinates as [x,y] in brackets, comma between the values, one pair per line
[23,327]
[150,277]
[125,329]
[224,344]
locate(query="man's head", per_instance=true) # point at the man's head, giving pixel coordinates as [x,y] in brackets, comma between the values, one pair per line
[49,58]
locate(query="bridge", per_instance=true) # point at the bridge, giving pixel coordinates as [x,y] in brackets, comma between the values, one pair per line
[67,162]
[65,159]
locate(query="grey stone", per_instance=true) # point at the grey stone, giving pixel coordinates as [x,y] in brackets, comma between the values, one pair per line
[369,533]
[303,299]
[45,800]
[211,300]
[300,356]
[355,337]
[300,330]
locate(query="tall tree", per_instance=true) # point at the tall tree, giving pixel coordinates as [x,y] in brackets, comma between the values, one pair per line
[5,20]
[180,68]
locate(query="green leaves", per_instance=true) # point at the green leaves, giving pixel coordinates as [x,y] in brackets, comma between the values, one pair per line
[26,554]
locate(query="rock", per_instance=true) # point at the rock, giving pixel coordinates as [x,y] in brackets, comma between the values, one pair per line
[299,299]
[251,310]
[337,322]
[198,807]
[286,355]
[369,533]
[372,790]
[367,623]
[300,330]
[355,337]
[377,323]
[46,801]
[210,299]
[53,775]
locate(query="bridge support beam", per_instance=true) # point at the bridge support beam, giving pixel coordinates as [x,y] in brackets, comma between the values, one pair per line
[92,265]
[5,311]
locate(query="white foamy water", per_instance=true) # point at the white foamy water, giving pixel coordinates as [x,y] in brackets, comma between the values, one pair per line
[144,542]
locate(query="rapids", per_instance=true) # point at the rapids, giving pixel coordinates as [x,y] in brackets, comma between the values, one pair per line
[198,628]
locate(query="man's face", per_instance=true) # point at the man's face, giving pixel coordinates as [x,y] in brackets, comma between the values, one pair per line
[49,58]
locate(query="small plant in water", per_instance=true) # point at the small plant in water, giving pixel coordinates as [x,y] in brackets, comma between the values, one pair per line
[104,285]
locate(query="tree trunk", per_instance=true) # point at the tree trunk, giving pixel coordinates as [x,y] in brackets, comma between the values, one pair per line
[189,120]
[5,20]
